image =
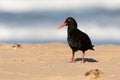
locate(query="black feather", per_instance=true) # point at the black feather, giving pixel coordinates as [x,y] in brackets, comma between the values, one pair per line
[77,39]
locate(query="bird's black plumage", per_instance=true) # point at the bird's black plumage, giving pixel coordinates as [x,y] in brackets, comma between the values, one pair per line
[77,39]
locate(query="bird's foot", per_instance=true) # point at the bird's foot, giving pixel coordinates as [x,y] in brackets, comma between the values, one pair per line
[72,61]
[82,61]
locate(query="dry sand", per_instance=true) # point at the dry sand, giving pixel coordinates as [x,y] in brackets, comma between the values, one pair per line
[50,62]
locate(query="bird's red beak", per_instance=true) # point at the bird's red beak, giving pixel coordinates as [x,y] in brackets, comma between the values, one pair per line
[62,25]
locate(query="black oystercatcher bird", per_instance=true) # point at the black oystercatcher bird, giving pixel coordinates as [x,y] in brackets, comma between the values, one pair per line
[77,39]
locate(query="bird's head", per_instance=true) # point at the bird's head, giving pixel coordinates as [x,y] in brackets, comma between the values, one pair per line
[68,22]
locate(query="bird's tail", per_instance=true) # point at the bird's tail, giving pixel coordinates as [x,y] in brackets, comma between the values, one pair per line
[92,47]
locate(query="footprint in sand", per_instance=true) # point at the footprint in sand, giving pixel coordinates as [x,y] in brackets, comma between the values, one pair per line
[19,61]
[40,60]
[17,46]
[94,74]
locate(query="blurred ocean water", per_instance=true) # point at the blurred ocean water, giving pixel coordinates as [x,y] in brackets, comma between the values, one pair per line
[37,26]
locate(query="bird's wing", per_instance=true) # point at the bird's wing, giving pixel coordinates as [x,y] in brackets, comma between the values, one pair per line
[80,37]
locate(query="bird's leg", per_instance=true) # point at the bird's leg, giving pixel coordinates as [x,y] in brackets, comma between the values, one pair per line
[83,55]
[73,55]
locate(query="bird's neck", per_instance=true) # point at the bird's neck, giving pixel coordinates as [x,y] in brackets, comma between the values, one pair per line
[71,27]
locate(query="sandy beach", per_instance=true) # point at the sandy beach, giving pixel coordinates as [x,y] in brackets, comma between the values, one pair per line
[51,62]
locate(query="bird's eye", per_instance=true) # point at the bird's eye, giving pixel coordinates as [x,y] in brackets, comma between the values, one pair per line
[69,19]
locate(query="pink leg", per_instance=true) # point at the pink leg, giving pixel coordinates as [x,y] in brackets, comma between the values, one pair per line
[83,55]
[72,59]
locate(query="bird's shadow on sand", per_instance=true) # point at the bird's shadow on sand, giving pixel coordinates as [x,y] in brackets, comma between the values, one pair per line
[86,60]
